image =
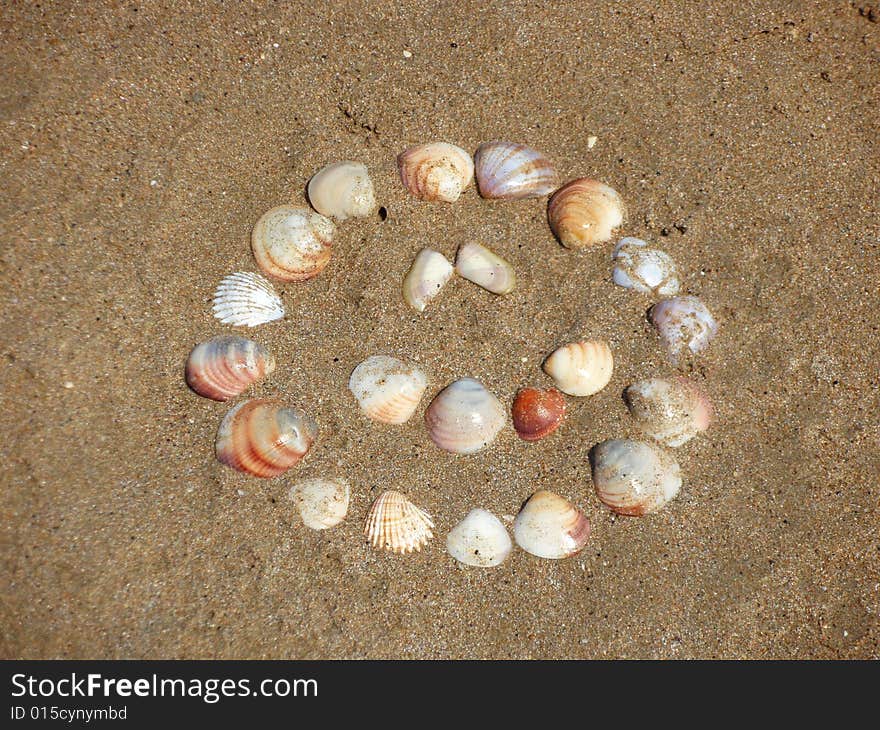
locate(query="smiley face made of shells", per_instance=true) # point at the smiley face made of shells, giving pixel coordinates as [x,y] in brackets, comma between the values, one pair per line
[266,437]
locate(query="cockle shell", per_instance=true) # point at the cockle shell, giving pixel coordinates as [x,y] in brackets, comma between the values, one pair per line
[342,190]
[550,527]
[643,268]
[537,413]
[464,417]
[685,324]
[480,539]
[264,438]
[510,171]
[436,171]
[397,525]
[225,366]
[387,389]
[246,299]
[485,268]
[426,277]
[585,212]
[322,503]
[633,477]
[581,368]
[292,244]
[670,410]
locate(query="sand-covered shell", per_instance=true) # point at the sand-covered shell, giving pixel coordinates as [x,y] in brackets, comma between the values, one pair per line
[537,412]
[685,324]
[436,171]
[669,410]
[581,368]
[245,299]
[485,268]
[633,477]
[464,417]
[510,171]
[342,190]
[225,366]
[397,525]
[427,276]
[585,212]
[644,268]
[549,526]
[321,503]
[480,539]
[387,389]
[263,437]
[292,244]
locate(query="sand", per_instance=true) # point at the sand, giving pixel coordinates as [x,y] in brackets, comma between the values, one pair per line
[141,141]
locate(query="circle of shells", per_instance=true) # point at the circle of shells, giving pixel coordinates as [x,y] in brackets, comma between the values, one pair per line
[265,437]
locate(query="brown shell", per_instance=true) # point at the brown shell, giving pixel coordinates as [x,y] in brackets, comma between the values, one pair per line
[537,412]
[225,366]
[584,212]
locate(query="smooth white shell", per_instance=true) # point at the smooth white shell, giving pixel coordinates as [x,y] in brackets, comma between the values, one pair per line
[549,526]
[479,540]
[685,324]
[643,268]
[342,190]
[670,410]
[387,389]
[633,477]
[464,417]
[436,171]
[510,171]
[429,272]
[484,268]
[581,368]
[246,299]
[397,525]
[322,503]
[292,244]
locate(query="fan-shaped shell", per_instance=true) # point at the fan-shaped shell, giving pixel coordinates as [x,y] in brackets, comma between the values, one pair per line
[322,503]
[427,276]
[387,389]
[670,410]
[585,212]
[397,525]
[342,190]
[464,417]
[510,171]
[633,477]
[225,366]
[581,368]
[685,324]
[479,540]
[436,171]
[549,526]
[246,299]
[537,412]
[292,244]
[643,268]
[485,268]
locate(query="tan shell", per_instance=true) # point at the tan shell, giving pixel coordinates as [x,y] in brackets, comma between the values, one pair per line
[427,276]
[436,171]
[549,526]
[387,389]
[585,212]
[581,368]
[342,190]
[322,503]
[485,268]
[292,244]
[397,525]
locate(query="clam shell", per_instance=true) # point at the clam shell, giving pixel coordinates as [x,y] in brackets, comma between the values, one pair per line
[510,171]
[387,389]
[537,413]
[292,244]
[264,438]
[484,268]
[585,212]
[549,526]
[342,190]
[643,268]
[225,366]
[246,299]
[633,477]
[397,525]
[581,368]
[322,503]
[464,417]
[426,277]
[479,540]
[669,410]
[436,171]
[685,324]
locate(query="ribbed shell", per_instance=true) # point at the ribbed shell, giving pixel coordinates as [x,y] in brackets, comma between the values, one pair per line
[427,276]
[225,366]
[585,212]
[479,540]
[387,389]
[685,324]
[342,190]
[633,477]
[321,503]
[436,171]
[397,525]
[246,299]
[510,171]
[464,417]
[537,413]
[549,526]
[670,410]
[581,368]
[485,268]
[292,244]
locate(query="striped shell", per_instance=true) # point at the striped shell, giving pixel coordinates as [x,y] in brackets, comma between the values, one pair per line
[321,503]
[581,368]
[537,413]
[397,525]
[225,366]
[509,171]
[686,326]
[387,389]
[292,244]
[427,276]
[549,526]
[585,212]
[485,268]
[342,190]
[633,477]
[246,299]
[669,410]
[479,540]
[464,417]
[436,171]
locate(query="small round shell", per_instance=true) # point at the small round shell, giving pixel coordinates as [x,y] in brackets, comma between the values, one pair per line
[427,276]
[485,268]
[537,413]
[292,244]
[633,477]
[397,525]
[342,190]
[246,299]
[585,212]
[225,366]
[670,410]
[479,540]
[549,526]
[322,503]
[436,171]
[686,326]
[581,368]
[510,171]
[643,268]
[464,417]
[387,389]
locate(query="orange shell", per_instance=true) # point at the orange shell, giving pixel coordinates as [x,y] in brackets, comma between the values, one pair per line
[537,413]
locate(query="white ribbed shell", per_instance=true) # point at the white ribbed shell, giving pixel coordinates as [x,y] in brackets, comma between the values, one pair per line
[397,525]
[246,299]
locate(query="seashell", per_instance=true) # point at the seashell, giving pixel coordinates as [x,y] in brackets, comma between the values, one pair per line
[550,527]
[264,438]
[584,212]
[342,190]
[685,324]
[479,540]
[464,417]
[509,171]
[581,368]
[387,389]
[537,413]
[225,366]
[436,171]
[645,269]
[246,299]
[670,410]
[426,277]
[292,244]
[484,268]
[322,503]
[397,525]
[633,477]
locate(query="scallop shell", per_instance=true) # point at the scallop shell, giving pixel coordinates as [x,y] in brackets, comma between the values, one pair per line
[397,525]
[225,366]
[685,324]
[464,417]
[537,413]
[581,368]
[510,171]
[484,268]
[342,190]
[322,503]
[479,540]
[643,268]
[264,438]
[585,212]
[436,171]
[387,389]
[633,477]
[426,277]
[669,410]
[246,299]
[549,526]
[292,244]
